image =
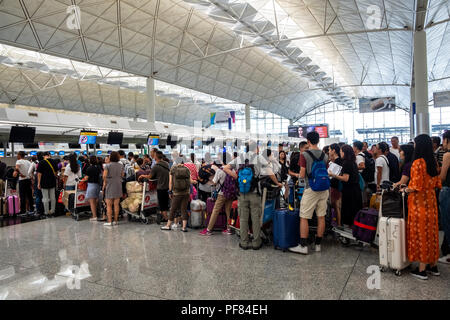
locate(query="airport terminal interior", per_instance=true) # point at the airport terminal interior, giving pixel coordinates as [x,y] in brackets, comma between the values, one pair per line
[126,126]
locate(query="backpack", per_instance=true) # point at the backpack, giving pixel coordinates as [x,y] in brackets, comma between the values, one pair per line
[229,188]
[394,169]
[205,173]
[182,178]
[246,178]
[368,173]
[130,173]
[318,178]
[9,177]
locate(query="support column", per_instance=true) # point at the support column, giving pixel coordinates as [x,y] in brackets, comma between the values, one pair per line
[412,111]
[247,118]
[151,103]
[421,83]
[291,122]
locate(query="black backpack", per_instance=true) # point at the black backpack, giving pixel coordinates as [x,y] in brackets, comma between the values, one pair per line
[205,173]
[368,173]
[394,167]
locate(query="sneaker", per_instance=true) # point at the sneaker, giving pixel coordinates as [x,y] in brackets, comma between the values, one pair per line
[299,249]
[115,223]
[174,226]
[243,247]
[445,259]
[166,228]
[93,219]
[227,231]
[433,270]
[317,248]
[420,275]
[258,247]
[205,232]
[108,224]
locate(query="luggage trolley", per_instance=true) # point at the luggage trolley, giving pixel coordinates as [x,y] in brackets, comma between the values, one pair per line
[78,204]
[148,206]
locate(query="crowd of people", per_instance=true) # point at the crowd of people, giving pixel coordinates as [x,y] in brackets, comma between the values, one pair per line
[419,168]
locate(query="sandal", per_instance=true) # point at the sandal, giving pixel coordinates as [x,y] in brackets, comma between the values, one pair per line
[184,230]
[166,228]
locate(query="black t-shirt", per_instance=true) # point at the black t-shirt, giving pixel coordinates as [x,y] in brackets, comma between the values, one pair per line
[350,168]
[294,165]
[93,173]
[48,179]
[334,183]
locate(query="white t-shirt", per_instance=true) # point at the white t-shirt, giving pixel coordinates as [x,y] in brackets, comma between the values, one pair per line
[219,179]
[24,167]
[360,158]
[396,152]
[382,162]
[71,177]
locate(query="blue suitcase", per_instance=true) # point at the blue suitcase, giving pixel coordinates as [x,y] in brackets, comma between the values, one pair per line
[286,229]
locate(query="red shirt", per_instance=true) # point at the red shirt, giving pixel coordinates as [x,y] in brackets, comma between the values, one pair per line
[193,169]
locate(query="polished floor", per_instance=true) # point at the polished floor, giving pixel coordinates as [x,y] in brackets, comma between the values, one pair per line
[63,259]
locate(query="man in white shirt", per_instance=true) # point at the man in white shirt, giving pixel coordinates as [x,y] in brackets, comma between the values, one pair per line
[360,157]
[25,191]
[381,163]
[395,149]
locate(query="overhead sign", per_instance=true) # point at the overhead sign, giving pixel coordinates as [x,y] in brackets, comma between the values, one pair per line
[222,117]
[382,104]
[441,99]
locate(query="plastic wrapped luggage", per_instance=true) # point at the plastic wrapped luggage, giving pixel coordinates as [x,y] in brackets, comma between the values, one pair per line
[286,228]
[197,214]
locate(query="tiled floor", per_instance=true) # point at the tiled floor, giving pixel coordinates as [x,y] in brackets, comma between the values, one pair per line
[63,259]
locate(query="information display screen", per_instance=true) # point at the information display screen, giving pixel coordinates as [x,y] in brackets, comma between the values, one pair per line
[22,134]
[153,140]
[302,131]
[33,153]
[52,153]
[88,137]
[62,153]
[2,154]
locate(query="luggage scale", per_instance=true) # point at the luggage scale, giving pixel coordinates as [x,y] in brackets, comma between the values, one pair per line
[148,205]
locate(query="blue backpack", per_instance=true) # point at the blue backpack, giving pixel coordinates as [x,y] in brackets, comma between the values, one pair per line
[318,178]
[246,179]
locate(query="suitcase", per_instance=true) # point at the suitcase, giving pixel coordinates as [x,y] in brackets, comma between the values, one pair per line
[286,229]
[221,222]
[392,242]
[197,213]
[365,225]
[13,205]
[269,208]
[3,207]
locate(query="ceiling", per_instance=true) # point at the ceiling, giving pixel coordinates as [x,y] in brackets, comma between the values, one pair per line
[212,47]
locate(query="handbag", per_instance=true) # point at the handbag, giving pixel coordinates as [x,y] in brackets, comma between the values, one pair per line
[391,204]
[60,197]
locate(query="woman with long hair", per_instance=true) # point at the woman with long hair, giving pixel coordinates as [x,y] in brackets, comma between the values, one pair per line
[335,193]
[93,173]
[351,192]
[422,230]
[406,159]
[112,187]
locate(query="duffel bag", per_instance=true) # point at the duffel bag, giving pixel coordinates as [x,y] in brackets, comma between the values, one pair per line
[365,225]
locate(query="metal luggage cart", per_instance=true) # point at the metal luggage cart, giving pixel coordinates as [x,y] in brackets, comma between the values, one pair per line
[149,206]
[81,206]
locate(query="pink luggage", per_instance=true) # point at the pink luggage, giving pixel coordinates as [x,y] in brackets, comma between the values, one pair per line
[13,205]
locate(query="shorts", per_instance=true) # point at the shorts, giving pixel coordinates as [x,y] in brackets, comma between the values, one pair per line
[314,201]
[163,200]
[335,194]
[93,191]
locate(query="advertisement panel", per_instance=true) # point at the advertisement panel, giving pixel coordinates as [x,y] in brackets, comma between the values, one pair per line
[441,99]
[382,104]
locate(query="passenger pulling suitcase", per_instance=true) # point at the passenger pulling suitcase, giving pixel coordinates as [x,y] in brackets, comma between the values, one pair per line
[392,242]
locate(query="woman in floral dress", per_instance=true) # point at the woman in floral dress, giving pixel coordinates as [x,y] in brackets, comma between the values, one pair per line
[422,231]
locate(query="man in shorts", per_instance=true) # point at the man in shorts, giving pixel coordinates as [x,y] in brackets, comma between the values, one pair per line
[312,201]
